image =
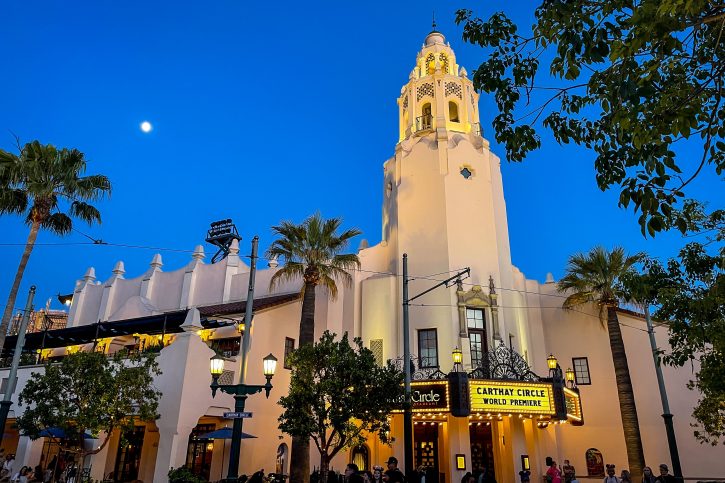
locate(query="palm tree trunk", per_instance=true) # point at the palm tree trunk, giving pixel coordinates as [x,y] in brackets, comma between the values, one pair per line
[627,406]
[300,452]
[8,313]
[307,321]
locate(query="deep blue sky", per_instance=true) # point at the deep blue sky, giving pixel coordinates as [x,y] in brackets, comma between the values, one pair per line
[262,111]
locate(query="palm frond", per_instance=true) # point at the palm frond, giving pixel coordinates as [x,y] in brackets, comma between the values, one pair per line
[41,176]
[287,273]
[594,277]
[315,246]
[13,201]
[58,223]
[85,212]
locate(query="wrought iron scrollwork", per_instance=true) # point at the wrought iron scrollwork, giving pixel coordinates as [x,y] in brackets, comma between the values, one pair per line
[504,363]
[420,373]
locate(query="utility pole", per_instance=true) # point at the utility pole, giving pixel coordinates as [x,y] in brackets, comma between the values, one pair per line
[408,406]
[13,376]
[667,416]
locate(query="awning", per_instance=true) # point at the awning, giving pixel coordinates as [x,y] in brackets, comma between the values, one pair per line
[59,433]
[224,433]
[167,323]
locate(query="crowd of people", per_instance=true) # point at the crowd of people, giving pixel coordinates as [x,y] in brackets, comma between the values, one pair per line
[353,474]
[567,474]
[58,470]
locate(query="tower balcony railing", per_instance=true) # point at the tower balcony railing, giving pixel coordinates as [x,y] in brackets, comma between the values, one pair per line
[424,123]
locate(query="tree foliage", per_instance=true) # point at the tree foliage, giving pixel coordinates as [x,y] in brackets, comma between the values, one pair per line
[338,394]
[47,185]
[632,80]
[90,392]
[689,292]
[312,252]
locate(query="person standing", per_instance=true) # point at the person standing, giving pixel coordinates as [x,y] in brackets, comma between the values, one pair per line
[7,469]
[647,475]
[665,476]
[393,474]
[377,474]
[611,475]
[352,474]
[625,477]
[568,471]
[525,476]
[553,475]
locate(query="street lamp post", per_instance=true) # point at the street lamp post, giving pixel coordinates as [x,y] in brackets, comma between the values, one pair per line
[666,414]
[240,393]
[241,390]
[12,377]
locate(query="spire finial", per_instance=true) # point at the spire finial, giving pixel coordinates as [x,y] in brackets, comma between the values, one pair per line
[434,20]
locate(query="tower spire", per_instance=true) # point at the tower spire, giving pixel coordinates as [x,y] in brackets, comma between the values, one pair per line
[434,21]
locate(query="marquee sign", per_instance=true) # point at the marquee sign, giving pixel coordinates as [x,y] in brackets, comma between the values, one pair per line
[573,406]
[429,396]
[512,397]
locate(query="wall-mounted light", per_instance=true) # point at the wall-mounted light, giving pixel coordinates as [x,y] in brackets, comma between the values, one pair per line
[457,356]
[460,461]
[552,362]
[570,377]
[525,463]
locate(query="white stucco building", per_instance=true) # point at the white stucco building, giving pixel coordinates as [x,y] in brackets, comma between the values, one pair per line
[443,205]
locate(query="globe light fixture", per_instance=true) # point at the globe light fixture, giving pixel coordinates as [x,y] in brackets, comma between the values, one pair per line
[269,365]
[216,366]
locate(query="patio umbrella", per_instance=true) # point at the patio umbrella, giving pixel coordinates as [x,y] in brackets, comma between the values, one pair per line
[58,433]
[224,434]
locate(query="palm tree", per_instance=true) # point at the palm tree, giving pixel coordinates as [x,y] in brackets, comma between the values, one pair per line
[594,277]
[311,252]
[35,183]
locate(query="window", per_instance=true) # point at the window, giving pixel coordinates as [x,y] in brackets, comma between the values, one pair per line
[595,462]
[361,457]
[466,173]
[227,346]
[476,335]
[282,457]
[475,319]
[453,111]
[289,346]
[376,346]
[581,371]
[428,347]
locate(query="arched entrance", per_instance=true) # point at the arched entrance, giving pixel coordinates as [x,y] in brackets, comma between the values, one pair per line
[282,459]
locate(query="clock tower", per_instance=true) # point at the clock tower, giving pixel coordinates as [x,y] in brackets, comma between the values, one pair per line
[444,206]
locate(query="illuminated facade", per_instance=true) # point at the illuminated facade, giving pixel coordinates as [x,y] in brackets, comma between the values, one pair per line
[443,205]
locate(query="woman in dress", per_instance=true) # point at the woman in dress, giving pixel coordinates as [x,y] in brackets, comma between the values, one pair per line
[553,475]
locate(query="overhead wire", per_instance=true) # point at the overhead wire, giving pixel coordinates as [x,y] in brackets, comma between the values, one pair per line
[430,277]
